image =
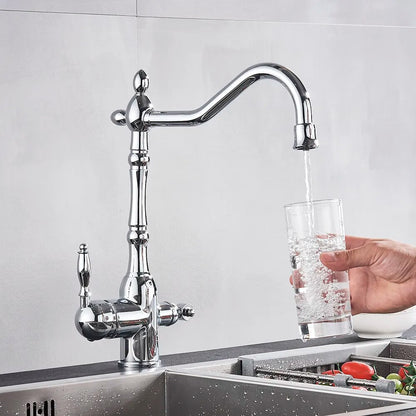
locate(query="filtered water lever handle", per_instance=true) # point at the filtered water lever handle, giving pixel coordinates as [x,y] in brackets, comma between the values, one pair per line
[84,273]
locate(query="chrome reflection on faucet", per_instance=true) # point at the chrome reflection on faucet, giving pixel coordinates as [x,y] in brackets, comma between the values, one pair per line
[140,115]
[135,317]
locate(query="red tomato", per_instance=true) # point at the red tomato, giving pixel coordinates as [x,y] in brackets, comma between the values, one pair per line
[403,372]
[332,372]
[358,370]
[358,388]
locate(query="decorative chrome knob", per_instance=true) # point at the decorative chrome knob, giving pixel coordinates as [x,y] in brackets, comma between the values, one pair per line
[186,312]
[137,106]
[118,117]
[84,274]
[141,82]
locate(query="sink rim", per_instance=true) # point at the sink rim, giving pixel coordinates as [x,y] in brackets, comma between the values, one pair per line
[207,369]
[213,370]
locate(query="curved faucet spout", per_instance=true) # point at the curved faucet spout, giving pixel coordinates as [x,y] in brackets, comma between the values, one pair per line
[305,132]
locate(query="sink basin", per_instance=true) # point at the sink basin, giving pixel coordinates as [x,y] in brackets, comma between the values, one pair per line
[188,390]
[238,395]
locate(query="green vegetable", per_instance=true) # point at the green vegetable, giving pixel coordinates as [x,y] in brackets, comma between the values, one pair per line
[393,376]
[408,390]
[411,369]
[398,385]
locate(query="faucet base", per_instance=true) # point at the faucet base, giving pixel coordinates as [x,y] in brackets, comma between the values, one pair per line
[136,364]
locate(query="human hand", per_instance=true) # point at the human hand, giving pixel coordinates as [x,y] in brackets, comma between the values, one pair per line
[382,273]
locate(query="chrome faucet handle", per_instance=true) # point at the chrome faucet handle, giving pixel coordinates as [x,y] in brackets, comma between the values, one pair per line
[84,274]
[141,82]
[169,313]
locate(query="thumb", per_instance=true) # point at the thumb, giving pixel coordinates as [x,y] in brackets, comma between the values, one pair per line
[347,259]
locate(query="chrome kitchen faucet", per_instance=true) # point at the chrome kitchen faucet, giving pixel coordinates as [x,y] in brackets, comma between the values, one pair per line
[135,317]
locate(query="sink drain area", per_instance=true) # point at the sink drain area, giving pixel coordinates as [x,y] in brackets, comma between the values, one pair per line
[45,408]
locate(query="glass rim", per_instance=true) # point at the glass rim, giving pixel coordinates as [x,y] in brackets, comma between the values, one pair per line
[313,202]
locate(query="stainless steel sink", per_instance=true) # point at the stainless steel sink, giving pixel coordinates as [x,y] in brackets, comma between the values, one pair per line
[198,389]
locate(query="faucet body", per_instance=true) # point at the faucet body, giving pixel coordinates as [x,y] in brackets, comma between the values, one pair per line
[136,315]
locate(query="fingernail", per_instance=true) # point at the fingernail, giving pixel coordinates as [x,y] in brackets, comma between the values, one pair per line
[330,256]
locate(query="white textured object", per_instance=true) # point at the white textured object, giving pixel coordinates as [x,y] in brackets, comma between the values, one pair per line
[383,325]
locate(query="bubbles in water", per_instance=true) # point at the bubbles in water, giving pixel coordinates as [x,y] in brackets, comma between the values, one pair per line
[320,293]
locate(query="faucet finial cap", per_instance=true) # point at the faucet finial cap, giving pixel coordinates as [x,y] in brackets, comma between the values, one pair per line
[141,82]
[83,248]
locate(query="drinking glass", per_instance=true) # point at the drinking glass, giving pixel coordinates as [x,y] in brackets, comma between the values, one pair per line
[322,296]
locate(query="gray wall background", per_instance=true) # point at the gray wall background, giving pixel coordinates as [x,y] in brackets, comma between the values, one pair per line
[216,192]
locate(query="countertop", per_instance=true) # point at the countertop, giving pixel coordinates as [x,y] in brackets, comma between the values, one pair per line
[175,359]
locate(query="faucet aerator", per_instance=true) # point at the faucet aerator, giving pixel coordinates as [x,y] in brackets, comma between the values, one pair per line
[305,137]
